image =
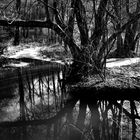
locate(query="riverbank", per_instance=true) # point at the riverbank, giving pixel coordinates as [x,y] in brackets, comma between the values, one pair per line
[116,83]
[22,54]
[119,73]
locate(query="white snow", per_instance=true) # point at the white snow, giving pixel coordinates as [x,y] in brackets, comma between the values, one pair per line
[21,64]
[34,52]
[28,52]
[118,62]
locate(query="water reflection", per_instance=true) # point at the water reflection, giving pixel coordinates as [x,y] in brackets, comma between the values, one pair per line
[47,111]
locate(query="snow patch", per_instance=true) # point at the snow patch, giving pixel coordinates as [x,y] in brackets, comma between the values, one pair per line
[117,62]
[21,64]
[29,52]
[33,51]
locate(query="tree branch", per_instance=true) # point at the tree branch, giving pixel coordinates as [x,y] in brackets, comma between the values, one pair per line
[57,17]
[114,35]
[81,21]
[99,23]
[71,18]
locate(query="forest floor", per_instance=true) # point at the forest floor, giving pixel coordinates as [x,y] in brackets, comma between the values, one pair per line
[127,70]
[57,53]
[36,51]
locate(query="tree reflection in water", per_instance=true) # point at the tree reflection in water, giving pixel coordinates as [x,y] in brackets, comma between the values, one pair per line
[48,113]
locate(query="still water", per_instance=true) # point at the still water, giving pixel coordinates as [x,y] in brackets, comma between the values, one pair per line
[42,108]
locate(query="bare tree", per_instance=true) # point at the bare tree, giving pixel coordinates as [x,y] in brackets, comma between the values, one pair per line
[92,27]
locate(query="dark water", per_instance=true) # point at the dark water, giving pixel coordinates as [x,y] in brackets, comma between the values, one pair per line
[43,108]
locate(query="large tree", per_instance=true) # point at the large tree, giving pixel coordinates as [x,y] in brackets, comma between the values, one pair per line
[84,25]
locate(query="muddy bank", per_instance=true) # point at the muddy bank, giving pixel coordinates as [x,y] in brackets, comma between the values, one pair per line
[106,93]
[121,83]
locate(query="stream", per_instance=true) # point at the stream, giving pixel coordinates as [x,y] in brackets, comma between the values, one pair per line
[36,104]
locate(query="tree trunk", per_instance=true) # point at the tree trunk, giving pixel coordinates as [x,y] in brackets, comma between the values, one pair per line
[119,51]
[128,42]
[16,37]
